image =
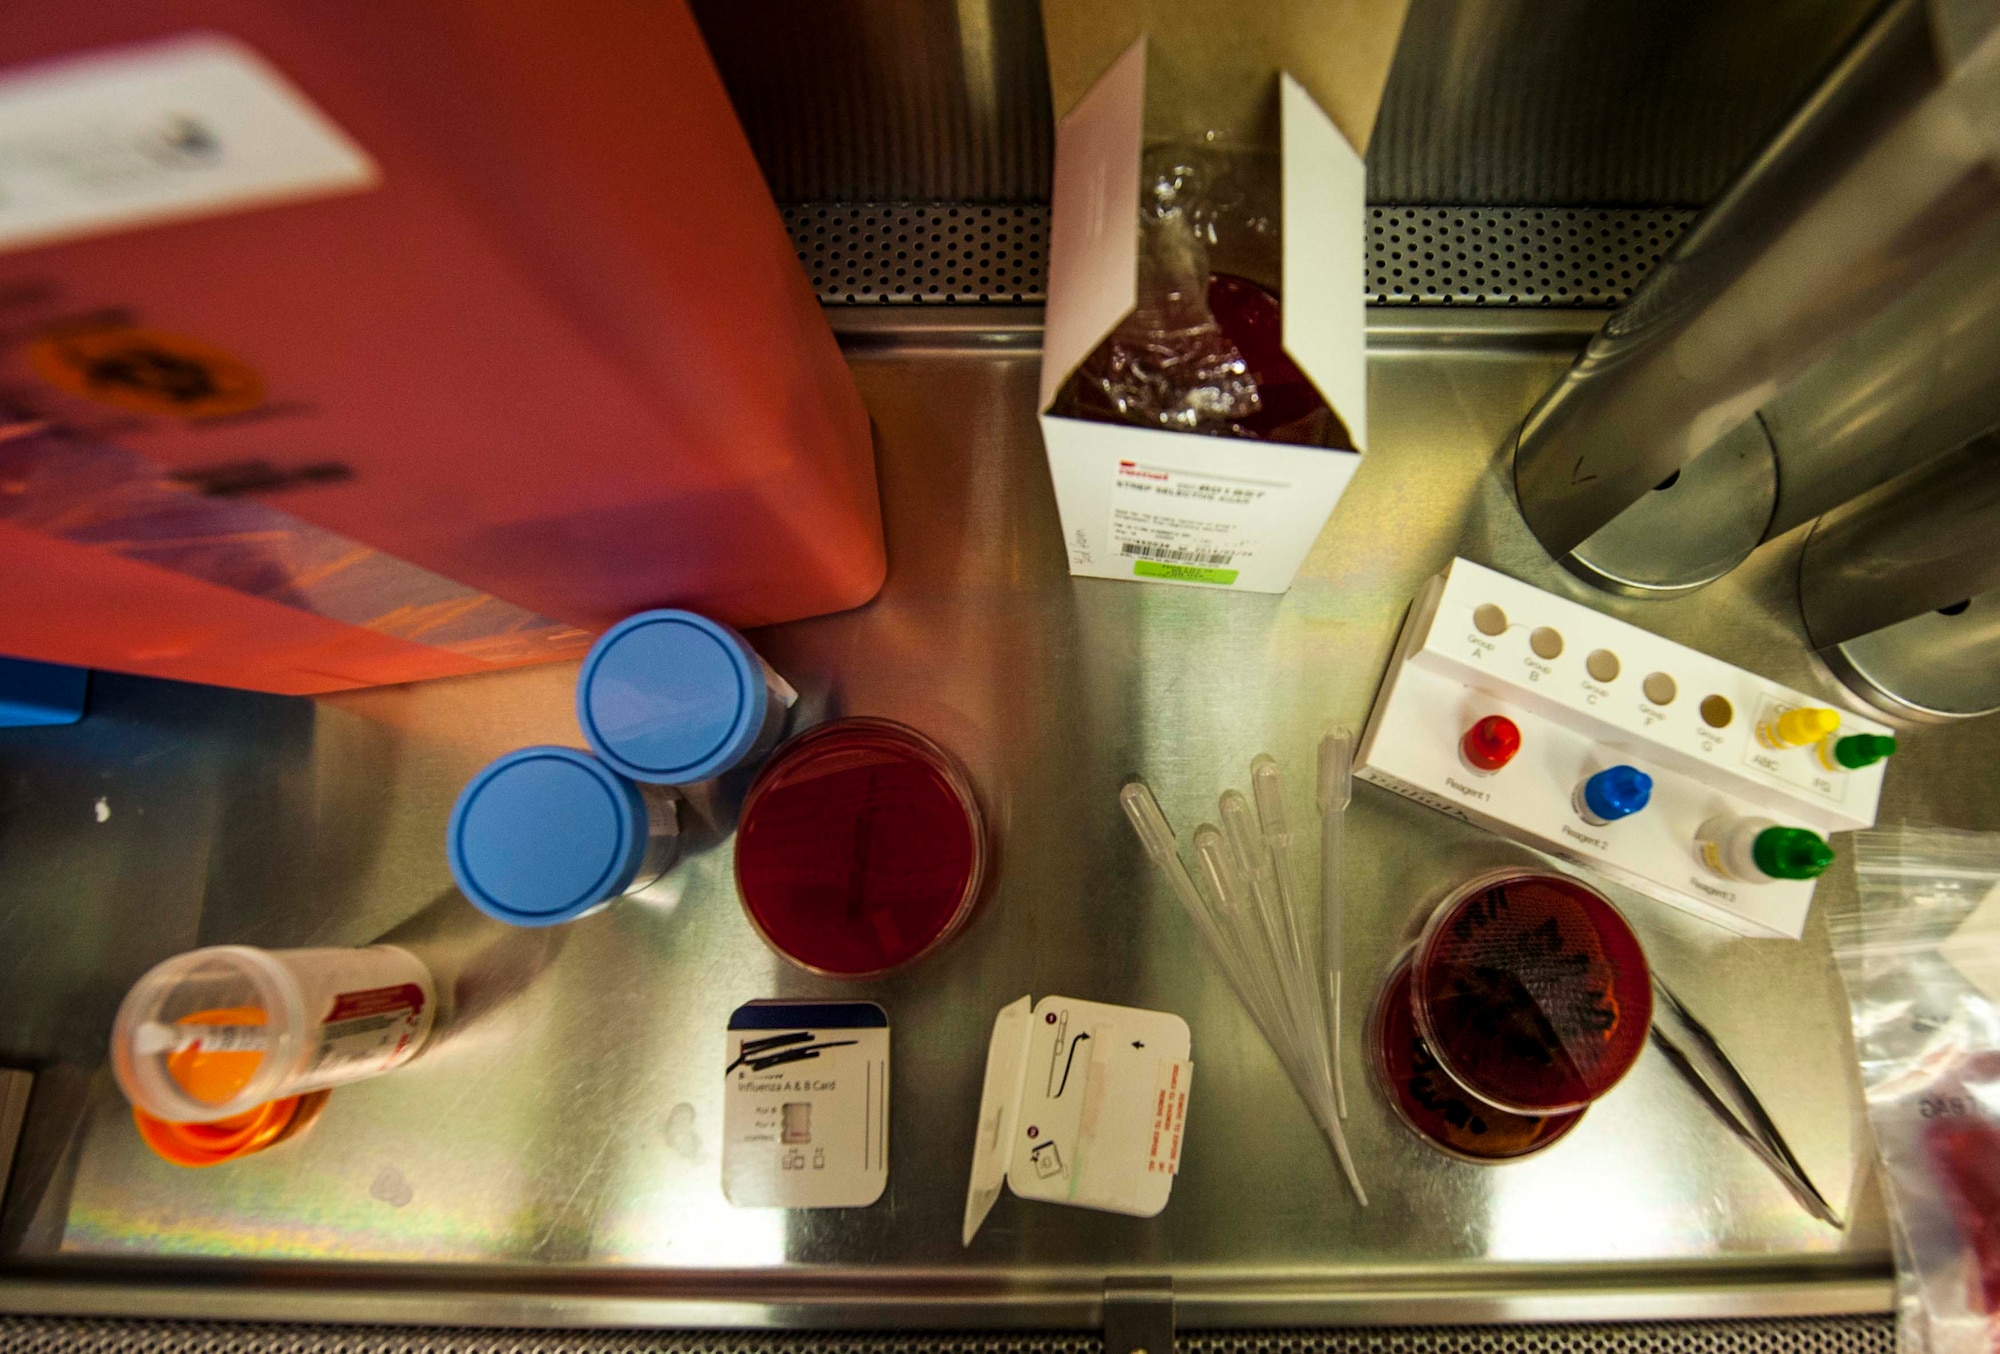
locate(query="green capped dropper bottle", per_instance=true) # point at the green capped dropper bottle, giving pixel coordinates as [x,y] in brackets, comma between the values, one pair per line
[1854,751]
[1760,851]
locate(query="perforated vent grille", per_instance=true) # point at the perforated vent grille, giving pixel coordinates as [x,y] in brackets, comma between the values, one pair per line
[1831,1335]
[1515,256]
[968,254]
[943,253]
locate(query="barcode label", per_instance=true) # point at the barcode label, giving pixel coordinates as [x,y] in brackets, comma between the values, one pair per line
[1175,554]
[359,1039]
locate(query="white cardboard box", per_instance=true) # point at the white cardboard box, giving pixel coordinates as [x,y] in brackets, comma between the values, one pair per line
[1141,503]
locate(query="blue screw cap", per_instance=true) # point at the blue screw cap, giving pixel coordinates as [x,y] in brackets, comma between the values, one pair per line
[545,834]
[1617,792]
[671,698]
[33,694]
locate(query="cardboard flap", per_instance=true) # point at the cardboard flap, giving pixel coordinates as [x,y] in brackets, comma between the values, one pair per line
[999,1113]
[1325,313]
[1214,63]
[1094,206]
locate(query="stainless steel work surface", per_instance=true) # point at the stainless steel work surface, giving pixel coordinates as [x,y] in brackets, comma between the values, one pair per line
[559,1144]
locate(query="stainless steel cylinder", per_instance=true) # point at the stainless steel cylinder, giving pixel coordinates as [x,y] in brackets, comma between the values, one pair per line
[1923,378]
[1900,588]
[1885,175]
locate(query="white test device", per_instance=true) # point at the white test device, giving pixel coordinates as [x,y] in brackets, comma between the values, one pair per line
[1588,692]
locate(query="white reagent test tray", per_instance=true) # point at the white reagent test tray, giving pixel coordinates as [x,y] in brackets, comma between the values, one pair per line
[1589,692]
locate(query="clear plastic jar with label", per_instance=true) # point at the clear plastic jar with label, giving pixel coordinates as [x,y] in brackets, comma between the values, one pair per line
[216,1032]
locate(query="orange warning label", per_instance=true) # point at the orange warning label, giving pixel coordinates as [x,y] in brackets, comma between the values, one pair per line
[146,371]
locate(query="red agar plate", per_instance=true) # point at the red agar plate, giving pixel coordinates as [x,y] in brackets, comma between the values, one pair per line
[860,849]
[1437,1109]
[1531,991]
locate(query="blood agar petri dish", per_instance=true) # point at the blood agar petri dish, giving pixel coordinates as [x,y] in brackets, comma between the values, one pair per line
[1531,991]
[1436,1108]
[860,849]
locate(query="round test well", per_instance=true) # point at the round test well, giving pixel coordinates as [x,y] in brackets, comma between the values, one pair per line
[672,698]
[544,835]
[1531,991]
[860,848]
[1435,1108]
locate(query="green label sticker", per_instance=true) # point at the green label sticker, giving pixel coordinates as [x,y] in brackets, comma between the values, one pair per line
[1183,573]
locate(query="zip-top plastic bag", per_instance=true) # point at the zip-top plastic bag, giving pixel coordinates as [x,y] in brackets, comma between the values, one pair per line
[1920,956]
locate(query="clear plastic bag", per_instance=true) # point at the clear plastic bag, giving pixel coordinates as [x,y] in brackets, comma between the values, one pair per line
[1170,364]
[1920,985]
[1203,349]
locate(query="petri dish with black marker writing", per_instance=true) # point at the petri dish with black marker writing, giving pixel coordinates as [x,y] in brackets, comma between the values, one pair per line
[860,849]
[1436,1108]
[1531,991]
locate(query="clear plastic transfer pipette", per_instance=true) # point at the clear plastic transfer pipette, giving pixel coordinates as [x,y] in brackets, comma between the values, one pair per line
[1242,943]
[1336,788]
